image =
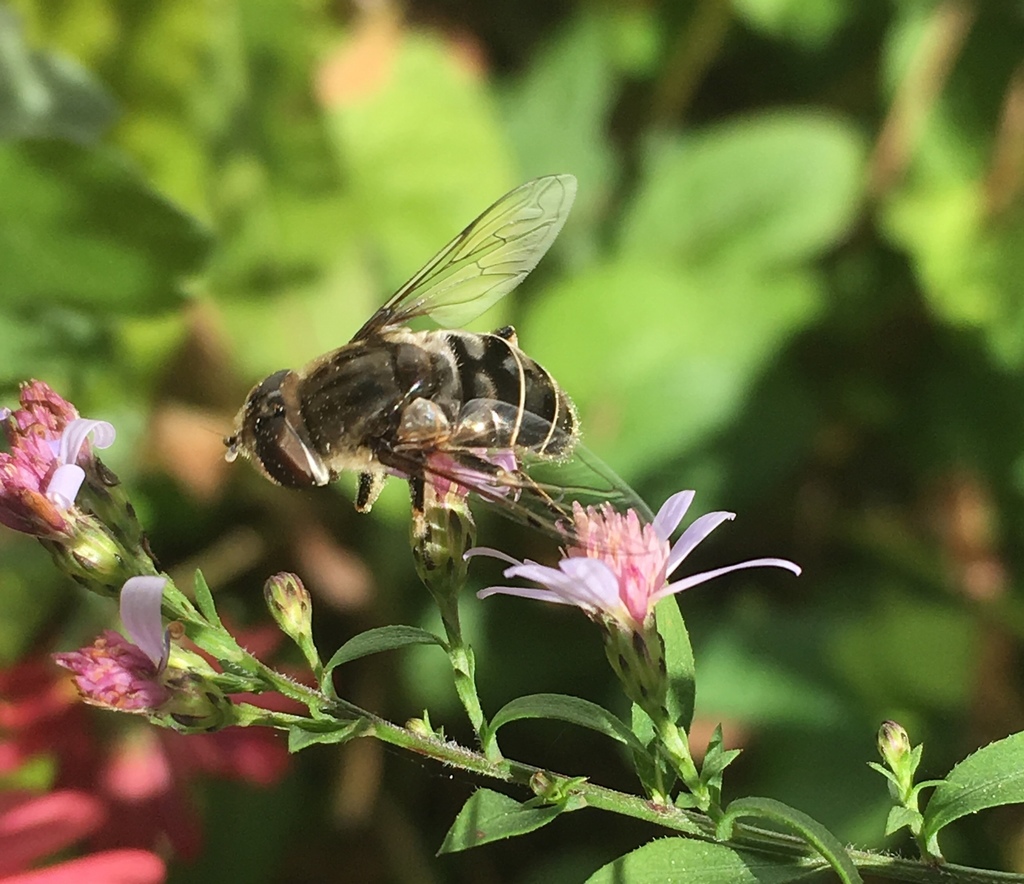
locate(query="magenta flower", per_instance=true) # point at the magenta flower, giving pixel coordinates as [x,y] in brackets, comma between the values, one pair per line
[32,827]
[127,675]
[617,567]
[41,474]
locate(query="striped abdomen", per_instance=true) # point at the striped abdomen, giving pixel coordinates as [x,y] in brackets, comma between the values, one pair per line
[489,366]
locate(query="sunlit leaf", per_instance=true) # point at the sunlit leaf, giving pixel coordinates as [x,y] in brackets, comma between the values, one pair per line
[46,95]
[760,191]
[677,349]
[991,777]
[688,861]
[81,227]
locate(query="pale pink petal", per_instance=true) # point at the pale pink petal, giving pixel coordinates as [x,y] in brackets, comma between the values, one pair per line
[705,576]
[552,578]
[141,598]
[526,592]
[694,534]
[65,484]
[77,431]
[671,514]
[593,582]
[492,554]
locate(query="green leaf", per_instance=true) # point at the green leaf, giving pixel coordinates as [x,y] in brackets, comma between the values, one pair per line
[557,117]
[689,861]
[575,710]
[808,24]
[761,191]
[696,337]
[204,599]
[813,832]
[682,676]
[382,638]
[491,816]
[302,736]
[990,777]
[899,817]
[80,227]
[43,95]
[421,147]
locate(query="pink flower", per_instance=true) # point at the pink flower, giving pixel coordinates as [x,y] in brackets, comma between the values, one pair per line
[34,826]
[617,567]
[120,674]
[41,474]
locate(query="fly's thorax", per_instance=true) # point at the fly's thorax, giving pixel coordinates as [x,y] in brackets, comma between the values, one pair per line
[353,399]
[271,431]
[492,367]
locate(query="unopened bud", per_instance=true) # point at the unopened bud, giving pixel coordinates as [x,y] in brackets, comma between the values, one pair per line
[290,605]
[893,744]
[196,705]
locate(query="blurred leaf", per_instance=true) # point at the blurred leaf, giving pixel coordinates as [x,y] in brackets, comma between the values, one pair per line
[813,832]
[744,683]
[418,139]
[661,357]
[760,191]
[991,777]
[688,861]
[971,267]
[557,116]
[43,95]
[382,638]
[490,816]
[575,710]
[809,24]
[80,227]
[906,651]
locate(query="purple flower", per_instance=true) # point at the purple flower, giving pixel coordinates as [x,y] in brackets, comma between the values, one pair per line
[127,675]
[41,474]
[617,568]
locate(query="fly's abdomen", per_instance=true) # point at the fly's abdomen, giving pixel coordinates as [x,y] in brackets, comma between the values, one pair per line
[491,367]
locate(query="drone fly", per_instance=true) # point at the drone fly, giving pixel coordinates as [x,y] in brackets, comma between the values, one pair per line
[445,409]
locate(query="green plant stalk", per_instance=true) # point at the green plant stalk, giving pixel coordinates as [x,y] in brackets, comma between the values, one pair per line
[686,822]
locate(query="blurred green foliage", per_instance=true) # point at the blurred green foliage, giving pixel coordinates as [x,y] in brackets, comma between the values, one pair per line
[792,281]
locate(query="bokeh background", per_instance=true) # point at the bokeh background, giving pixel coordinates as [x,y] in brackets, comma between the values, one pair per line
[792,280]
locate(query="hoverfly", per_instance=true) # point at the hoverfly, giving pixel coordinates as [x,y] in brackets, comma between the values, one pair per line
[444,407]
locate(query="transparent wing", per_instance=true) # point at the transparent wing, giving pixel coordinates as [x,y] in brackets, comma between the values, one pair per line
[484,262]
[524,483]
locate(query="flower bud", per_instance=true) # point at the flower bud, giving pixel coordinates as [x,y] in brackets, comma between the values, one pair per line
[292,609]
[894,745]
[637,656]
[196,704]
[440,539]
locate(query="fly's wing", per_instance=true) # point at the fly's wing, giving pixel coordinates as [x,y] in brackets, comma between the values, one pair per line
[535,485]
[484,262]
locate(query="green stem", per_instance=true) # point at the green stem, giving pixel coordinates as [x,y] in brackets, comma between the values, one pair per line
[686,822]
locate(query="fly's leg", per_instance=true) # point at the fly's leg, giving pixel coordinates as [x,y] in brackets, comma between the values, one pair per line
[417,494]
[370,486]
